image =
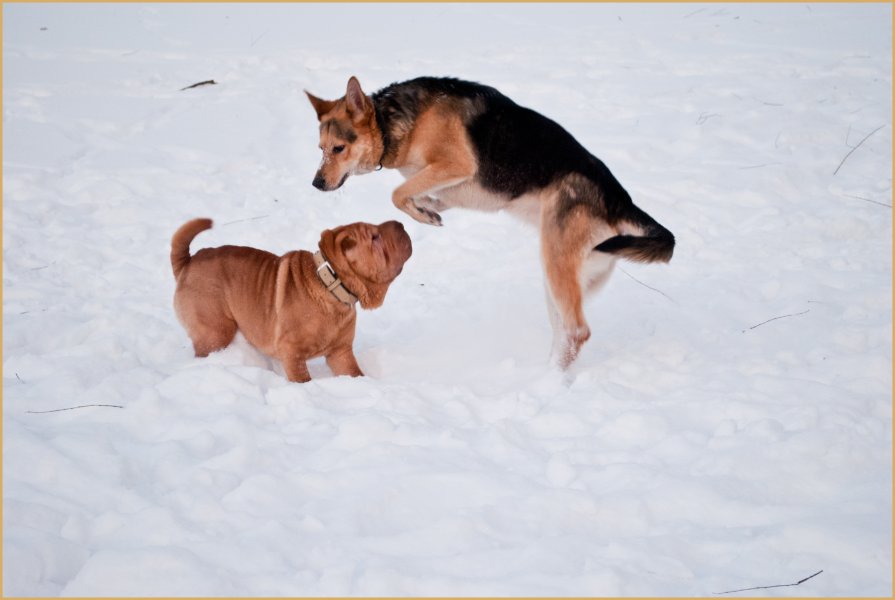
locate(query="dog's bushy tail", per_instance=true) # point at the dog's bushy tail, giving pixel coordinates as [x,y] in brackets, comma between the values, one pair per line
[180,243]
[644,239]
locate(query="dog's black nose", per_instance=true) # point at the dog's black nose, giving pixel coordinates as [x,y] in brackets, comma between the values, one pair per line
[319,183]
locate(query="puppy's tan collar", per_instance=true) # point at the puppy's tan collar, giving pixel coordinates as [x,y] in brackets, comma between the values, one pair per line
[331,281]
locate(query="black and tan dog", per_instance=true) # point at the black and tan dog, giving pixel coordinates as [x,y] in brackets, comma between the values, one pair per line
[463,144]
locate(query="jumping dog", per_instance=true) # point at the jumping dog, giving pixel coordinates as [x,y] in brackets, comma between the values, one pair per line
[463,144]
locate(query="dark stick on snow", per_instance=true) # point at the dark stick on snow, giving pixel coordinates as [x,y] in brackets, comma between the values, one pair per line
[867,200]
[39,412]
[195,85]
[856,147]
[775,318]
[761,166]
[646,286]
[244,220]
[767,587]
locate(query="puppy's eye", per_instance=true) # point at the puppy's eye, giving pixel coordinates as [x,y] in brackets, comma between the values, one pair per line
[338,149]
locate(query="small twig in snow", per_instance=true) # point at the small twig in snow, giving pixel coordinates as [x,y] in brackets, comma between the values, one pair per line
[646,286]
[695,12]
[195,85]
[761,166]
[867,200]
[856,147]
[19,378]
[257,39]
[244,220]
[767,587]
[775,318]
[766,103]
[38,412]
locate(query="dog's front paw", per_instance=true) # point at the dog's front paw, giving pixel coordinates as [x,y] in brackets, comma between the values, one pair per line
[424,215]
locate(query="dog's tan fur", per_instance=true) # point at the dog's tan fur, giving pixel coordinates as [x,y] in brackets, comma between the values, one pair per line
[426,136]
[279,302]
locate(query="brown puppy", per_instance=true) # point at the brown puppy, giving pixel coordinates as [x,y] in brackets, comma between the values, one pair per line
[293,307]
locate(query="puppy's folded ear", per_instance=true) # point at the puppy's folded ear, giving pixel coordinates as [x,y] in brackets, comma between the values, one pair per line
[321,106]
[348,244]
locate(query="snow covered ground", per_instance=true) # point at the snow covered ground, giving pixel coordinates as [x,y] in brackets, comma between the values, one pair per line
[699,445]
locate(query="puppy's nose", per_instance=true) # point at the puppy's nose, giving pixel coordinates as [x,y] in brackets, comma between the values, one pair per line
[319,183]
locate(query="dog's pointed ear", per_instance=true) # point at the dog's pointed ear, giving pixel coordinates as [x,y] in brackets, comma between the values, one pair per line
[321,106]
[357,100]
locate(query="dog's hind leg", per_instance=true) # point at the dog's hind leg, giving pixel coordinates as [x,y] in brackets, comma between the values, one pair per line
[207,324]
[569,231]
[208,338]
[558,346]
[593,275]
[564,248]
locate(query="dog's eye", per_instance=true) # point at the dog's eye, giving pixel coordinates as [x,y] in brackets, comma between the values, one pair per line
[338,149]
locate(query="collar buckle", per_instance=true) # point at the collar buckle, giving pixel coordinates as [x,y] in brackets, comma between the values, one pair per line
[334,286]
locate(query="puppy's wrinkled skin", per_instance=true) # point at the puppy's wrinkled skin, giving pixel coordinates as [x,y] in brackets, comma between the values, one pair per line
[279,302]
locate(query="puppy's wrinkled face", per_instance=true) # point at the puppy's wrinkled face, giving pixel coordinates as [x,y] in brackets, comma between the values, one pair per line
[367,258]
[349,138]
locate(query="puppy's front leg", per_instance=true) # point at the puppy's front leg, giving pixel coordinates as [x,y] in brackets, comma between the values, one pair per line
[341,361]
[296,370]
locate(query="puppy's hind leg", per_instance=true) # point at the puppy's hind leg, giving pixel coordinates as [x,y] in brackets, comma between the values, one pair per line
[207,324]
[211,338]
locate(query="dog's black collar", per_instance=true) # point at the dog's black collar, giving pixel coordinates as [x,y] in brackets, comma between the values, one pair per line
[331,281]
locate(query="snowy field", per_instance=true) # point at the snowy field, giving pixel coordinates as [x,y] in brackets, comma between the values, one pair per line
[728,426]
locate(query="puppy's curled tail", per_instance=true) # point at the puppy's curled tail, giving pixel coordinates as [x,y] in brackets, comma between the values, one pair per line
[643,239]
[180,243]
